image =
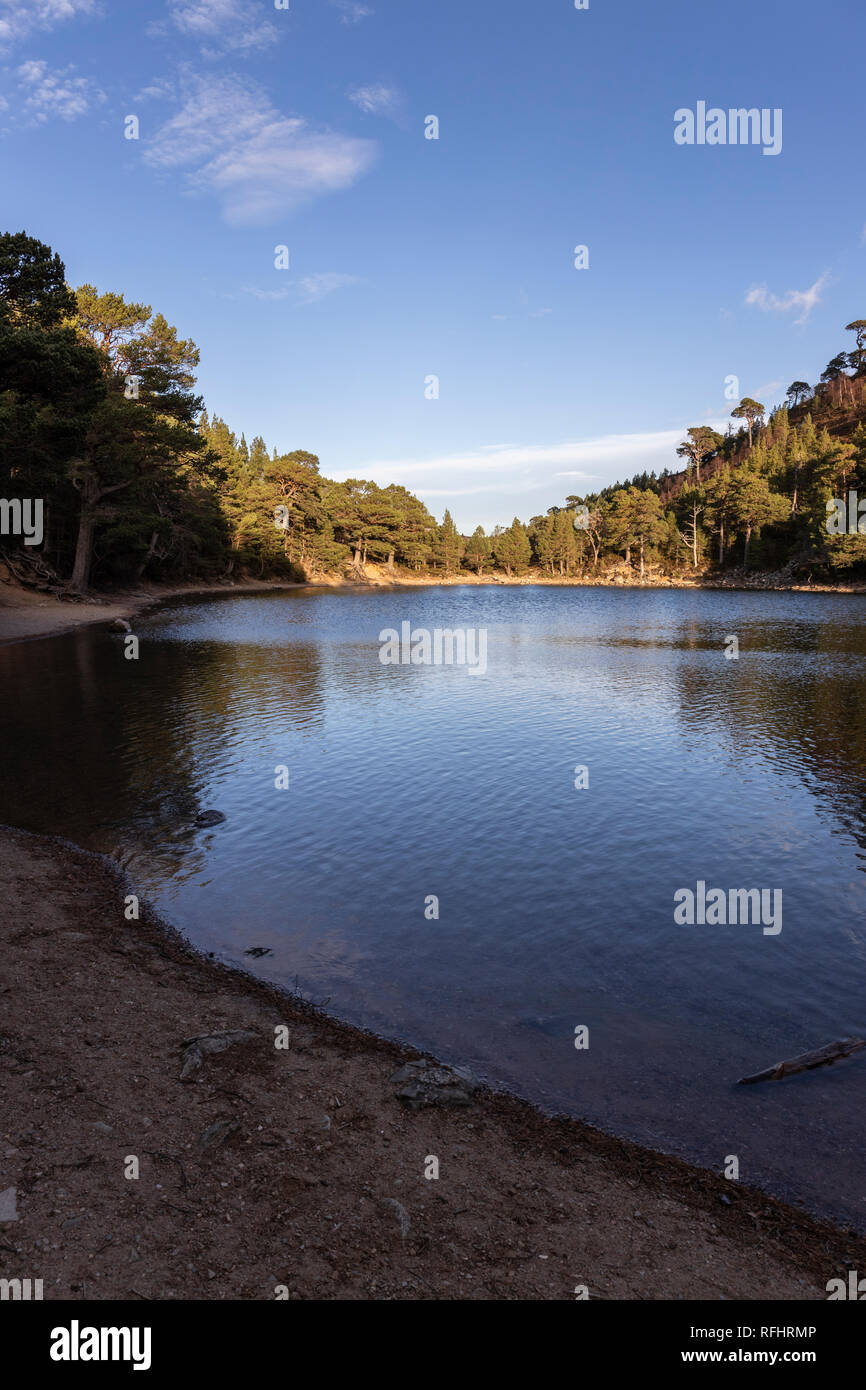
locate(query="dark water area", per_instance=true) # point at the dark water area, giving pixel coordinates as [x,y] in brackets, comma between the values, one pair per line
[556,904]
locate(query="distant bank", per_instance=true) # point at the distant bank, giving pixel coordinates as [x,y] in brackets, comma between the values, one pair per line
[25,613]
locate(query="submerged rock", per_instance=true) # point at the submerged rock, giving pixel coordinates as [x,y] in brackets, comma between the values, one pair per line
[428,1083]
[205,818]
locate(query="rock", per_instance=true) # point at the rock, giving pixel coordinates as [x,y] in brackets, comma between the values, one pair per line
[427,1083]
[8,1211]
[102,1127]
[196,1049]
[205,818]
[120,625]
[217,1133]
[259,951]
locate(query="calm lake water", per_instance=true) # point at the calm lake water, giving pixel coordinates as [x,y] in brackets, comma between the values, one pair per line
[556,904]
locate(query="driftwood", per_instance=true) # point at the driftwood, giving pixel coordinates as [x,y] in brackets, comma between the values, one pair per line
[821,1057]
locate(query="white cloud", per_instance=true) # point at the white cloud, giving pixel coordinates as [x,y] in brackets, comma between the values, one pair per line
[804,300]
[351,12]
[237,26]
[375,100]
[260,164]
[536,476]
[55,93]
[307,290]
[604,459]
[18,18]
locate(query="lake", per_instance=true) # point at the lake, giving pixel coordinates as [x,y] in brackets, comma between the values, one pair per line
[555,901]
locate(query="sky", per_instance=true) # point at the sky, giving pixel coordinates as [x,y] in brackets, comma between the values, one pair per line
[411,258]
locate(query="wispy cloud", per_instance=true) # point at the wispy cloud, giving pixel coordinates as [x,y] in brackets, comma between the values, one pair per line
[234,26]
[55,94]
[159,89]
[536,476]
[308,290]
[19,18]
[768,389]
[313,287]
[377,100]
[260,164]
[266,296]
[804,300]
[350,11]
[527,466]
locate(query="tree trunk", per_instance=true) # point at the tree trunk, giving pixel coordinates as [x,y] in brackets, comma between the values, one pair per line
[139,573]
[746,551]
[83,549]
[641,557]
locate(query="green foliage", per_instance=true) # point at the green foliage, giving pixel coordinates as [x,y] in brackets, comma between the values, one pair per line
[512,550]
[99,417]
[477,550]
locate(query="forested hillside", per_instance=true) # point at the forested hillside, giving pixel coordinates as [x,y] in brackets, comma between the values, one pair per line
[99,418]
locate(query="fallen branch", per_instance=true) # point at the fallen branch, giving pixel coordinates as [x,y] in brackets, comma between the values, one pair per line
[822,1056]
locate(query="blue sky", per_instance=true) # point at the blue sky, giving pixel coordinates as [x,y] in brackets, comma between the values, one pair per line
[454,257]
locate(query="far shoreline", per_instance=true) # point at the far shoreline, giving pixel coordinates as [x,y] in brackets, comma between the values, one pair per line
[26,615]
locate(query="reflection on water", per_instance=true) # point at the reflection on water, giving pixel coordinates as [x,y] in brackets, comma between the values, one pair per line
[556,905]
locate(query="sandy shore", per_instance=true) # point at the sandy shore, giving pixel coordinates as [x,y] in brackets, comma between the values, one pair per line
[299,1167]
[24,613]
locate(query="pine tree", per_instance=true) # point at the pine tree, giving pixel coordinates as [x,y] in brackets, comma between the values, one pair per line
[477,552]
[450,546]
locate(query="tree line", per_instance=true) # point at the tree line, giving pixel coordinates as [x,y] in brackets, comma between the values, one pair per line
[755,498]
[99,416]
